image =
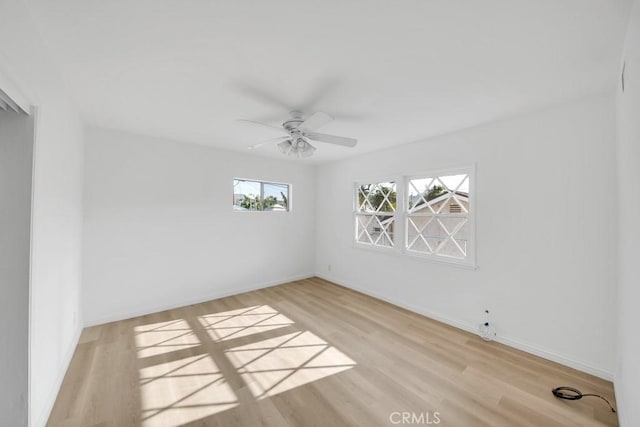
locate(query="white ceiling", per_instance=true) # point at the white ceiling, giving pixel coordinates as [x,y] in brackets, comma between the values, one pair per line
[390,72]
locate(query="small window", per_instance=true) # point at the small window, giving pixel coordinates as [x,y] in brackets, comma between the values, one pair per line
[375,214]
[438,216]
[260,196]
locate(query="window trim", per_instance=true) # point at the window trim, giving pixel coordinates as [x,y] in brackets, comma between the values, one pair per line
[401,216]
[356,212]
[262,182]
[470,170]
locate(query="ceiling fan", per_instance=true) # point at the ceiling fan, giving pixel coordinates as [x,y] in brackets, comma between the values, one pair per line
[299,131]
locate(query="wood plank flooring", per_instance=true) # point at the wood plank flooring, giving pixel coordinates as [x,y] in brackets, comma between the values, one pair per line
[311,353]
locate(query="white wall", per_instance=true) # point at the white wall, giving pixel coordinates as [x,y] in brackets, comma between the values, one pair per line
[56,210]
[628,108]
[16,160]
[160,230]
[546,228]
[56,260]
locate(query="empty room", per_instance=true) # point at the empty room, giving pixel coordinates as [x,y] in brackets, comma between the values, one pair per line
[305,213]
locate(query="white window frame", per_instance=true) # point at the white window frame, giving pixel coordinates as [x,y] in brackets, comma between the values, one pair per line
[401,216]
[470,258]
[394,214]
[262,182]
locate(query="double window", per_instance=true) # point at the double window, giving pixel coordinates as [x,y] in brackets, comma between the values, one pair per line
[260,196]
[429,215]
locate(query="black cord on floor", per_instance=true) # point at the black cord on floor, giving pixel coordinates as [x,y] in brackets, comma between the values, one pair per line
[571,393]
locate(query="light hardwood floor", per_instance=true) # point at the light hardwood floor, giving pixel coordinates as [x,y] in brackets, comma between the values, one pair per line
[310,353]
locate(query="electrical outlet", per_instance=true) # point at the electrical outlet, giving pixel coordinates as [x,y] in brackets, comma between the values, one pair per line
[486,330]
[329,267]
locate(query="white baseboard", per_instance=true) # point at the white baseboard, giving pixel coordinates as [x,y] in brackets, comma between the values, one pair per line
[558,358]
[222,293]
[43,416]
[511,342]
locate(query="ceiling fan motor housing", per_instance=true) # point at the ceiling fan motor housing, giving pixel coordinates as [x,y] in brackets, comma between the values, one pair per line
[295,121]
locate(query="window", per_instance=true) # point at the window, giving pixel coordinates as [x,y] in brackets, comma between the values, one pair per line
[430,215]
[375,214]
[260,196]
[437,216]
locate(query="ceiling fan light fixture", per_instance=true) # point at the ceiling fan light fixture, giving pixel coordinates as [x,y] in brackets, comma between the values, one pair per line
[307,151]
[299,148]
[285,147]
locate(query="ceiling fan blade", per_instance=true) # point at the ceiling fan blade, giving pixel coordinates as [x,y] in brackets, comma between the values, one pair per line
[332,139]
[268,141]
[320,90]
[315,121]
[261,124]
[262,95]
[337,115]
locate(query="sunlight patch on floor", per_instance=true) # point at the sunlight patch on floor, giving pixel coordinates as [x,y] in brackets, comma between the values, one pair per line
[275,365]
[179,362]
[164,337]
[244,322]
[184,390]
